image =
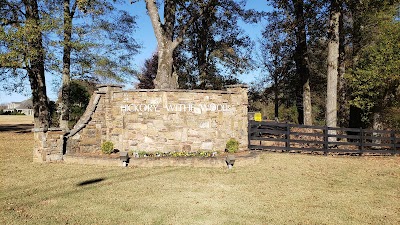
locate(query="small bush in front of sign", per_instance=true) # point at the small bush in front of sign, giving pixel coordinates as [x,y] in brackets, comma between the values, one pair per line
[107,147]
[232,145]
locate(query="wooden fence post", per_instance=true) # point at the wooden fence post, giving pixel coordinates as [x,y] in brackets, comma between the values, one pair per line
[394,141]
[249,134]
[362,139]
[326,141]
[287,137]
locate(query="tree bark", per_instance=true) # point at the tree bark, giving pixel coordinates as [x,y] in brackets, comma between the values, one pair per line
[36,68]
[302,70]
[202,53]
[276,99]
[343,103]
[166,78]
[203,30]
[332,72]
[66,78]
[377,124]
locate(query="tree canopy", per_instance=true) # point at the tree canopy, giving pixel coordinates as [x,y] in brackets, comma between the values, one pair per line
[307,48]
[79,39]
[364,57]
[198,38]
[375,80]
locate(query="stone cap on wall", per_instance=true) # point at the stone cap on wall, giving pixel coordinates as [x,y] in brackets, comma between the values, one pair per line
[109,85]
[236,86]
[41,129]
[103,88]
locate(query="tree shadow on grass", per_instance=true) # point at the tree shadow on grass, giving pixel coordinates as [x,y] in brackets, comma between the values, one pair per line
[91,181]
[45,192]
[17,128]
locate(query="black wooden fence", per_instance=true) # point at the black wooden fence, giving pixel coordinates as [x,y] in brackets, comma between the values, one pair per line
[319,139]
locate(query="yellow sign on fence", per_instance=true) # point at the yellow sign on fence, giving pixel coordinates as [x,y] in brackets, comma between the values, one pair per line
[257,117]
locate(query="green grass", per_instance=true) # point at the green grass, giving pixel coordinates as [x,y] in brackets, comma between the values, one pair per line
[281,189]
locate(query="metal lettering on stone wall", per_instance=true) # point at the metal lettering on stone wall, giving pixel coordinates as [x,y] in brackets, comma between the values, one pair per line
[191,108]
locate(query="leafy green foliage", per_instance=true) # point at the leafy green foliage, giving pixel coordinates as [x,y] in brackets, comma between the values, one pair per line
[148,73]
[54,115]
[103,46]
[371,58]
[293,51]
[14,112]
[375,80]
[392,118]
[22,51]
[232,145]
[80,93]
[215,48]
[107,147]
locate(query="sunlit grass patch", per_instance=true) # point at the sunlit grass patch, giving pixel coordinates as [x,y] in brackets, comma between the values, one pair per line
[16,119]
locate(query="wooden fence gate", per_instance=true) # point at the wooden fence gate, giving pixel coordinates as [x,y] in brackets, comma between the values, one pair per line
[274,136]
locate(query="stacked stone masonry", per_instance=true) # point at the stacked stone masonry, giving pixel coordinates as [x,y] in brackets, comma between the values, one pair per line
[48,145]
[162,120]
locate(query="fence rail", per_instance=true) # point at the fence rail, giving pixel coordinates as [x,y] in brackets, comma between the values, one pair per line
[274,136]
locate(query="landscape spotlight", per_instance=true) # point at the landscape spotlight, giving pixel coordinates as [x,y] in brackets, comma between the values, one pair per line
[230,160]
[123,156]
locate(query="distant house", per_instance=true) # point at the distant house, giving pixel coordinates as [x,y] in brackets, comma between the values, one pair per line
[25,107]
[13,105]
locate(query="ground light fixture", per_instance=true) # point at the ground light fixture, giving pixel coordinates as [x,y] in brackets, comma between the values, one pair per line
[230,160]
[123,156]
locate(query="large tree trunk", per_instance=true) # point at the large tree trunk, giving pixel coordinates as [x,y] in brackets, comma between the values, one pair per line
[302,70]
[276,99]
[36,68]
[66,80]
[202,54]
[307,108]
[377,124]
[166,78]
[343,103]
[332,72]
[203,30]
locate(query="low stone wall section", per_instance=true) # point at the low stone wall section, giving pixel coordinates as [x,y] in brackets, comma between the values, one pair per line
[48,145]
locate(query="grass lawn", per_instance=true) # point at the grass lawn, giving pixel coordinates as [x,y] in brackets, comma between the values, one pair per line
[16,119]
[281,189]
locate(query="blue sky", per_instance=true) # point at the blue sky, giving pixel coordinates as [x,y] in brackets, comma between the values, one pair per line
[146,38]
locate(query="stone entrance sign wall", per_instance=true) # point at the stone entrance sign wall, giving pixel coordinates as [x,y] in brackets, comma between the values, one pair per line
[162,120]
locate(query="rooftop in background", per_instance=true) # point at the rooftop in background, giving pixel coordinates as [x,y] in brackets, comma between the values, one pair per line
[25,107]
